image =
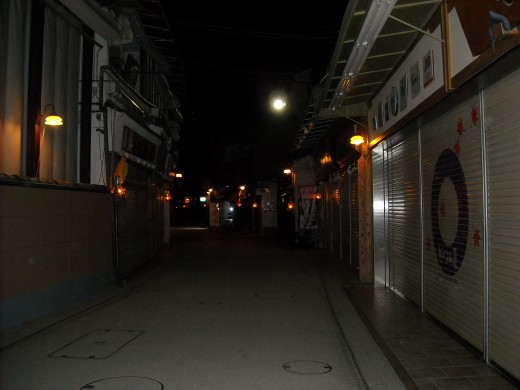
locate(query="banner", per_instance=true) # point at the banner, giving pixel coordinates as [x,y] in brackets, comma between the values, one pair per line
[308,207]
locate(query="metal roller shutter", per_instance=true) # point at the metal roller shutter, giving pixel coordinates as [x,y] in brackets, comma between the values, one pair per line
[326,214]
[502,117]
[354,217]
[453,221]
[344,193]
[404,211]
[349,216]
[335,217]
[379,207]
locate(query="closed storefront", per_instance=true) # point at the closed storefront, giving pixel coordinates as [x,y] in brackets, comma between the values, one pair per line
[349,215]
[381,264]
[447,218]
[404,216]
[502,117]
[326,214]
[335,216]
[436,121]
[453,222]
[344,193]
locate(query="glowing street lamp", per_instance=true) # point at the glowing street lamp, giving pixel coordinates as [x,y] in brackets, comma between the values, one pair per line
[357,140]
[279,104]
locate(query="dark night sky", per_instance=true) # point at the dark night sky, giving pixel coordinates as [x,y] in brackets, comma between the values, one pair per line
[235,54]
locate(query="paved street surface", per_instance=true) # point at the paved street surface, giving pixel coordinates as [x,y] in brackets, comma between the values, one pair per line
[221,311]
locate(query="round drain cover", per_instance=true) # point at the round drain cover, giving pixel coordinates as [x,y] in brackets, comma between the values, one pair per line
[126,383]
[307,367]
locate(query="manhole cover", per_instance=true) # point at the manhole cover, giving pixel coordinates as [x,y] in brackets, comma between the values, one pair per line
[98,344]
[125,383]
[307,367]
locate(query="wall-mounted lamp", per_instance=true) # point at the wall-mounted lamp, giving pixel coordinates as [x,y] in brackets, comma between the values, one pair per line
[51,117]
[118,189]
[287,171]
[357,139]
[167,196]
[375,19]
[178,175]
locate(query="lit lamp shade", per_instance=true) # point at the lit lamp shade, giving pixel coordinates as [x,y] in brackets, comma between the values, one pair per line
[357,140]
[51,117]
[53,120]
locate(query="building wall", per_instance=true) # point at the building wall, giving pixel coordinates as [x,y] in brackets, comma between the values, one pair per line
[140,225]
[55,249]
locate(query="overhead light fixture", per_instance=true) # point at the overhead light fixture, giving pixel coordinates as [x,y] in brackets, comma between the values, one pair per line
[375,19]
[287,171]
[51,117]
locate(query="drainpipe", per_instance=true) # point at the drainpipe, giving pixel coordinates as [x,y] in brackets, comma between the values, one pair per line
[103,106]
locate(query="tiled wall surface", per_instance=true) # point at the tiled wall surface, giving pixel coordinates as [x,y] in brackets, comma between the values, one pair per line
[55,248]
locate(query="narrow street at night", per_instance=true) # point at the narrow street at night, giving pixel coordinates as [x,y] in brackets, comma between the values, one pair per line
[222,311]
